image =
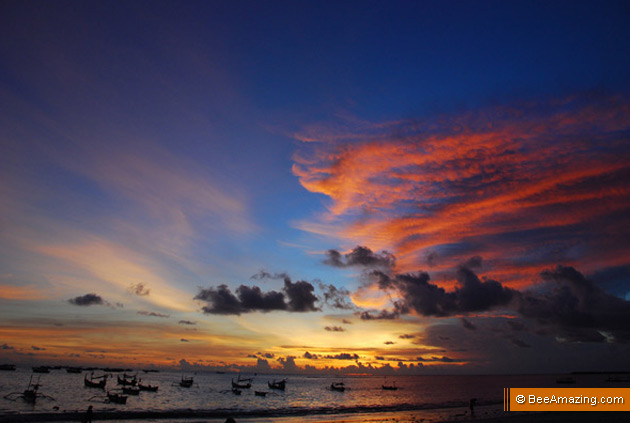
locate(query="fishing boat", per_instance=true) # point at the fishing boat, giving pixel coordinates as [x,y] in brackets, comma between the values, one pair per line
[337,386]
[7,367]
[125,381]
[186,382]
[30,394]
[91,383]
[387,387]
[116,398]
[280,384]
[148,388]
[238,385]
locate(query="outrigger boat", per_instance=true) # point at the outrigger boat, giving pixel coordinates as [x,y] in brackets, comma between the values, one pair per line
[186,382]
[337,386]
[148,388]
[239,385]
[116,398]
[126,381]
[30,394]
[280,384]
[90,383]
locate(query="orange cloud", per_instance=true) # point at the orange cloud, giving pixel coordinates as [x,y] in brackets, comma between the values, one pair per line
[510,184]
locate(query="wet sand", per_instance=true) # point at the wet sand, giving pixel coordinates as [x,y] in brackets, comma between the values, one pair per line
[486,414]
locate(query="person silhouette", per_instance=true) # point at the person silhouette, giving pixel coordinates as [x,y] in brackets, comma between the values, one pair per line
[472,407]
[88,415]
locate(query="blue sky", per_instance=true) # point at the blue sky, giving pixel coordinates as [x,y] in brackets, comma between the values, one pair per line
[171,148]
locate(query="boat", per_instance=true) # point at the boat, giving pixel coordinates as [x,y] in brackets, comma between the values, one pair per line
[129,390]
[30,394]
[116,398]
[241,385]
[7,367]
[236,391]
[41,369]
[90,383]
[565,380]
[389,387]
[337,386]
[127,382]
[280,384]
[148,388]
[186,382]
[260,393]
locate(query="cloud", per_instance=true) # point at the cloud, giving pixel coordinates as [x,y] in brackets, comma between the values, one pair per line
[513,181]
[360,256]
[263,274]
[187,322]
[427,299]
[334,329]
[153,314]
[406,336]
[296,297]
[139,289]
[519,343]
[310,356]
[36,348]
[343,356]
[389,343]
[87,300]
[6,347]
[184,340]
[577,308]
[338,298]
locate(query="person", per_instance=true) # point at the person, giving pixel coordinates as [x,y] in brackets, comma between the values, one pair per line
[472,407]
[88,415]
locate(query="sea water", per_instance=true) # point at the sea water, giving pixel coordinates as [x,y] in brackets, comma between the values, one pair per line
[211,393]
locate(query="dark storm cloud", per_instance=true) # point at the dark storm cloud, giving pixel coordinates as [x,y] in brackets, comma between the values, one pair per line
[139,289]
[153,314]
[334,329]
[577,308]
[360,256]
[338,298]
[468,324]
[296,297]
[427,299]
[87,300]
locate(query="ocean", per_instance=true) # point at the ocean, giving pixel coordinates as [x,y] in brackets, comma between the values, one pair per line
[211,395]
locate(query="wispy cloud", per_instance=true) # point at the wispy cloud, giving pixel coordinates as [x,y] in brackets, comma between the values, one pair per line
[513,184]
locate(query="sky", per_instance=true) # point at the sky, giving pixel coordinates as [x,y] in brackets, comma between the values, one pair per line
[305,186]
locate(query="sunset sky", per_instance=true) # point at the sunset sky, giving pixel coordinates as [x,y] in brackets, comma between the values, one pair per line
[416,187]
